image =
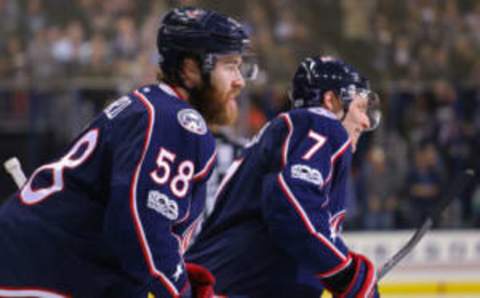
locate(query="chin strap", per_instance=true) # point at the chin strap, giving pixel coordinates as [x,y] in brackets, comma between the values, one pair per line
[345,107]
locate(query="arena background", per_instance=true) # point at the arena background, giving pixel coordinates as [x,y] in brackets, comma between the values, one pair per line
[62,61]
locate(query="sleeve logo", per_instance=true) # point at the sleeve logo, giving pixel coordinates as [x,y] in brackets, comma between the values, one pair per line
[162,204]
[117,107]
[192,121]
[306,173]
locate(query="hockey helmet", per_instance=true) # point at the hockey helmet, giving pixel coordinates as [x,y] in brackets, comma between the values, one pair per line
[202,33]
[317,75]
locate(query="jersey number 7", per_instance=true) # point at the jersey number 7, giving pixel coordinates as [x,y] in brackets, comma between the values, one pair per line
[319,142]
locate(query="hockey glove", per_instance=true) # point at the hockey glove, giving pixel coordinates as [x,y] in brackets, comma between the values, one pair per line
[201,281]
[358,280]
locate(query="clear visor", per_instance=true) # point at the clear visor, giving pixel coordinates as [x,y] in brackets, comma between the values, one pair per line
[248,67]
[373,112]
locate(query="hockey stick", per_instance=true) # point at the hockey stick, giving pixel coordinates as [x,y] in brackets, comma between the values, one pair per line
[14,168]
[459,185]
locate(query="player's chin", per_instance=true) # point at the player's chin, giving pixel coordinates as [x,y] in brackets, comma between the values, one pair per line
[231,111]
[354,147]
[227,114]
[354,140]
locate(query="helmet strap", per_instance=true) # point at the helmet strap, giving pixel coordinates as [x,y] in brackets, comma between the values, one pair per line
[175,77]
[345,107]
[196,92]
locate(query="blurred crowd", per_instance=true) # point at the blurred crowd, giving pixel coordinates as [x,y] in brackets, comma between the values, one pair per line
[60,61]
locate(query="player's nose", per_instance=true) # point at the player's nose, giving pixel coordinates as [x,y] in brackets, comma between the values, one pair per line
[365,122]
[239,81]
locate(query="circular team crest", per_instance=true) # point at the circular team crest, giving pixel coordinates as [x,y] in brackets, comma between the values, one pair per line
[192,121]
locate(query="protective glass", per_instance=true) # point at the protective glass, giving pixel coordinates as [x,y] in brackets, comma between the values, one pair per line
[373,104]
[248,68]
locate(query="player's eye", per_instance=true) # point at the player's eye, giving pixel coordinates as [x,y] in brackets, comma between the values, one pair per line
[232,67]
[362,107]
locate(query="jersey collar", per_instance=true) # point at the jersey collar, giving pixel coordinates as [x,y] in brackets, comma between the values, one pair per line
[170,90]
[323,112]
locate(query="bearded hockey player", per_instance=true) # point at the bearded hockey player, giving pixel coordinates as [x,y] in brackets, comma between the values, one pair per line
[112,215]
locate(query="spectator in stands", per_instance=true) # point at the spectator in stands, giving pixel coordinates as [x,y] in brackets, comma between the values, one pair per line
[424,182]
[408,45]
[381,194]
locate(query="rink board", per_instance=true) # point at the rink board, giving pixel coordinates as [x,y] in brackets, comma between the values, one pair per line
[444,264]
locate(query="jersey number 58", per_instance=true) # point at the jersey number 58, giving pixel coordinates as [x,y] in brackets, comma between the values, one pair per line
[180,183]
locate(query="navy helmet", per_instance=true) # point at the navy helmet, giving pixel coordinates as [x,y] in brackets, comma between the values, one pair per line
[317,75]
[201,33]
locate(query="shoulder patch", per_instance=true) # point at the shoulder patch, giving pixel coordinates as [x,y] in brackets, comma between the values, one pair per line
[192,121]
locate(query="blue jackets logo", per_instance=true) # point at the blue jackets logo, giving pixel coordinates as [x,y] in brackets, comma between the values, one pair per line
[306,173]
[162,204]
[192,121]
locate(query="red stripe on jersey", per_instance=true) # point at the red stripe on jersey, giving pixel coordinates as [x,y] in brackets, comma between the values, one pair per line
[336,269]
[170,90]
[286,143]
[306,221]
[228,176]
[334,158]
[337,219]
[369,282]
[180,96]
[206,169]
[133,201]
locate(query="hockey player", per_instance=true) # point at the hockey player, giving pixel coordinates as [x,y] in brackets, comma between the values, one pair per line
[276,227]
[112,215]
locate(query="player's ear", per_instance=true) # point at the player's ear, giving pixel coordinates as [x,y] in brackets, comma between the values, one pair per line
[191,72]
[331,101]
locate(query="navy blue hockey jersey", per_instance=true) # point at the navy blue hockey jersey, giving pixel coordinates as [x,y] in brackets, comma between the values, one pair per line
[275,228]
[112,216]
[228,149]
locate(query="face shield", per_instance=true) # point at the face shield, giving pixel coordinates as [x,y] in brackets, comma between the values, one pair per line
[248,67]
[373,110]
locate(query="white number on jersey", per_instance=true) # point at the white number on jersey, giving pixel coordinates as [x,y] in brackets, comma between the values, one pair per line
[180,183]
[319,142]
[71,160]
